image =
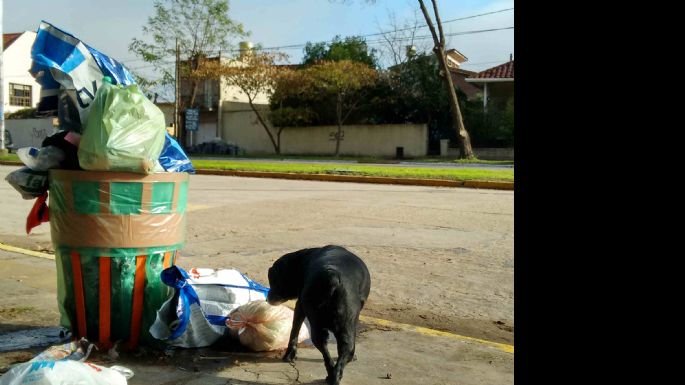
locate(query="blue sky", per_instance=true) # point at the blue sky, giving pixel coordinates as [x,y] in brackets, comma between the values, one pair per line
[110,25]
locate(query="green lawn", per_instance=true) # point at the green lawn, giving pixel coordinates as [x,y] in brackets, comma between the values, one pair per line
[10,157]
[506,175]
[358,159]
[352,169]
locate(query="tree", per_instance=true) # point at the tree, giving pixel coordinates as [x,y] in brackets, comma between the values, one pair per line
[255,75]
[352,48]
[345,80]
[202,29]
[466,152]
[397,37]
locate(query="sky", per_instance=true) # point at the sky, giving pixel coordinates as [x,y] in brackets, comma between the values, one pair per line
[109,26]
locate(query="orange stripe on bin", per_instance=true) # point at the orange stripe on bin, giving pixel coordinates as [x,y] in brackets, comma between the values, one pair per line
[104,292]
[167,260]
[138,291]
[78,293]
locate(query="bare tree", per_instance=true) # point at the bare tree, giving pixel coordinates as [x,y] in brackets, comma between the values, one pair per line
[255,75]
[397,36]
[466,152]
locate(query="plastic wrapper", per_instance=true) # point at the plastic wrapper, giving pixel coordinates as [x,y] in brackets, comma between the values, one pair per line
[41,159]
[30,184]
[263,327]
[70,73]
[124,132]
[72,350]
[64,372]
[113,234]
[196,315]
[173,158]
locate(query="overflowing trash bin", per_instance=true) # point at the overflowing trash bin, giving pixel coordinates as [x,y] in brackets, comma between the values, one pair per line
[113,185]
[113,234]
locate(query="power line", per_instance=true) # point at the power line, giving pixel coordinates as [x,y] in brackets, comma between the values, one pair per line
[293,46]
[444,22]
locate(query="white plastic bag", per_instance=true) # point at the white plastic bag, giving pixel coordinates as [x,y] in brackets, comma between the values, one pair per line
[63,372]
[262,327]
[196,315]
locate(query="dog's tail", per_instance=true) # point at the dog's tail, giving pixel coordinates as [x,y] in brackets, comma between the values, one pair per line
[331,287]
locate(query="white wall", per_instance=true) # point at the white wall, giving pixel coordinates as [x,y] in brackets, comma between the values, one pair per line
[29,132]
[16,61]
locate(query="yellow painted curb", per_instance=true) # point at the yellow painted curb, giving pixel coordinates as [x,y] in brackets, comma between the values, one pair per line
[26,252]
[432,332]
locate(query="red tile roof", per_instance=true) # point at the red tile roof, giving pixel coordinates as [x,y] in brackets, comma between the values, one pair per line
[9,38]
[505,70]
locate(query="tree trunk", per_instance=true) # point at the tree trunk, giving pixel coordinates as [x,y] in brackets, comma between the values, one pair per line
[465,150]
[277,146]
[339,116]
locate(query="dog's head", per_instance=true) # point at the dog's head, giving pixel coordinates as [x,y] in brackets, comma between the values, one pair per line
[285,277]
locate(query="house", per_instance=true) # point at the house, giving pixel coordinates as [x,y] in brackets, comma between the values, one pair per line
[497,83]
[20,88]
[459,76]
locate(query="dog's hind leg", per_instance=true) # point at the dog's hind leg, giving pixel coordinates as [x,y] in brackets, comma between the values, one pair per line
[320,341]
[298,318]
[346,345]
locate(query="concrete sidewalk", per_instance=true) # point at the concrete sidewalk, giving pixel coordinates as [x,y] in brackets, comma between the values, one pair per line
[386,354]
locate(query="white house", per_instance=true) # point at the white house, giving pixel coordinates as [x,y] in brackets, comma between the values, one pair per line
[21,89]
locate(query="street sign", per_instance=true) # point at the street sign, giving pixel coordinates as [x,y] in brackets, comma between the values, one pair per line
[192,119]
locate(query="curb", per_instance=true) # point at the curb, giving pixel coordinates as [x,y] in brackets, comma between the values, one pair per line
[364,179]
[348,178]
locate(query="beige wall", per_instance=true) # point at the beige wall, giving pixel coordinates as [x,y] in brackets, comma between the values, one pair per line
[240,126]
[361,140]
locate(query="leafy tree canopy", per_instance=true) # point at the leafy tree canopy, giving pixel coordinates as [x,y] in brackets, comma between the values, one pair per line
[351,48]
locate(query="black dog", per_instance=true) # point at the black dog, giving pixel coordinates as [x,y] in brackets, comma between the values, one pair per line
[331,286]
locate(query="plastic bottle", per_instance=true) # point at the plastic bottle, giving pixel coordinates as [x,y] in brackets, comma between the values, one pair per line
[41,159]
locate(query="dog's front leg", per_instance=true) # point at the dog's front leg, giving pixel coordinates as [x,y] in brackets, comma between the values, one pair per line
[298,318]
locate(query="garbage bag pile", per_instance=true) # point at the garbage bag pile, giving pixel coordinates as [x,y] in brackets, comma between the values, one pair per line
[66,364]
[106,123]
[209,304]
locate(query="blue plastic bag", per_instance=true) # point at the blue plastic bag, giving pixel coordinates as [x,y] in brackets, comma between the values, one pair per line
[173,158]
[70,72]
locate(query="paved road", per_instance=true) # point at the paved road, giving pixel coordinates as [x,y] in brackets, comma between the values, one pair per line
[441,258]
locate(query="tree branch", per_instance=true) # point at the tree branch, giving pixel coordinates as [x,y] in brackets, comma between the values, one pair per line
[429,23]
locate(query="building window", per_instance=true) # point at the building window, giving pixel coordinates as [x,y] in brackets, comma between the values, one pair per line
[20,95]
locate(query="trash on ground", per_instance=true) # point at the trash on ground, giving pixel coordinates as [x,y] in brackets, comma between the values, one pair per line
[196,314]
[64,372]
[263,327]
[73,350]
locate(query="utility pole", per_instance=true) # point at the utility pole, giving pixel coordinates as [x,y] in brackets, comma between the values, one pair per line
[177,121]
[3,149]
